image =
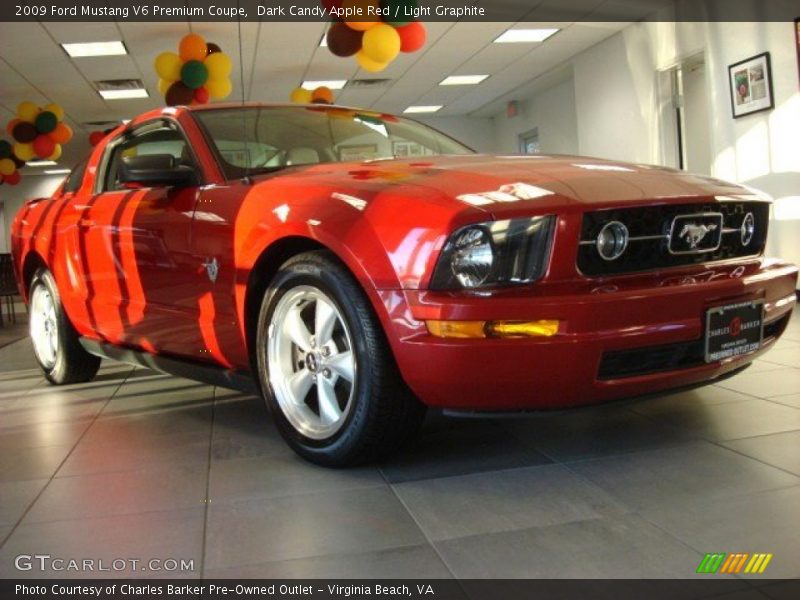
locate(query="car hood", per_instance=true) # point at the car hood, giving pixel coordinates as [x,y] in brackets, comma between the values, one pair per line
[504,185]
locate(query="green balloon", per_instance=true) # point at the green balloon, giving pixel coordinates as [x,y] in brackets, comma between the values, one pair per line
[400,11]
[46,122]
[194,74]
[5,149]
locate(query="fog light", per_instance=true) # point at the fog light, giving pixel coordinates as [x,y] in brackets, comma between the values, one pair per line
[496,329]
[612,240]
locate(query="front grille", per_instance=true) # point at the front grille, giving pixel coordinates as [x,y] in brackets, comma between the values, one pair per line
[669,357]
[649,242]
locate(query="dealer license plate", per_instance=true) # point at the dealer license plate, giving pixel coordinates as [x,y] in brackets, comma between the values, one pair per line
[734,330]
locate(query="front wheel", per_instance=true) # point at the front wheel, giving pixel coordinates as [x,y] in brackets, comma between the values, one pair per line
[326,369]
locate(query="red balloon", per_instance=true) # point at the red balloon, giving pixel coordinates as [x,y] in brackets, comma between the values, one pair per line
[95,137]
[179,94]
[12,179]
[412,36]
[43,146]
[201,95]
[343,40]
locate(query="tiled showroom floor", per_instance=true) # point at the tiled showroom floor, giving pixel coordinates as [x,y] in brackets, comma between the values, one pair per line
[141,465]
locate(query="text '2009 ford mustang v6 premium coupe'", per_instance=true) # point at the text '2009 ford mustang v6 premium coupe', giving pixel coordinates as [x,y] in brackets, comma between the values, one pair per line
[354,267]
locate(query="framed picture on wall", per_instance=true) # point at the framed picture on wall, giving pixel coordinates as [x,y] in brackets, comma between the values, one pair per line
[751,85]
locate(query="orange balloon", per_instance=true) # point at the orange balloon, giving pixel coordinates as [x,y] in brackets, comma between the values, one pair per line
[192,47]
[322,94]
[61,134]
[364,15]
[10,126]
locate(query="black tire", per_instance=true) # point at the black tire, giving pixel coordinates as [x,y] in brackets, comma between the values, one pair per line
[72,363]
[384,414]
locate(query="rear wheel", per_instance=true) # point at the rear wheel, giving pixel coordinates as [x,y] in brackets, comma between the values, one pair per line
[326,368]
[56,344]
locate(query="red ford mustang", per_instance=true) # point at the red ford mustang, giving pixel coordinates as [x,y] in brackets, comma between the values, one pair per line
[354,267]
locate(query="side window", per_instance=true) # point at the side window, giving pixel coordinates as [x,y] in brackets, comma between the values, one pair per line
[75,178]
[160,140]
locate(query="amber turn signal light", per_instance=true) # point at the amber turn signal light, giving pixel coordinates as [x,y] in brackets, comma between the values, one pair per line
[493,329]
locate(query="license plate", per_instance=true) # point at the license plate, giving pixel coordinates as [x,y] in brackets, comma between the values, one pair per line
[734,330]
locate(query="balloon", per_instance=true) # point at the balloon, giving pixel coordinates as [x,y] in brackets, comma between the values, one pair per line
[381,43]
[219,88]
[343,40]
[366,63]
[194,74]
[5,149]
[192,47]
[363,20]
[24,152]
[322,95]
[163,86]
[56,153]
[201,95]
[7,167]
[56,110]
[12,179]
[25,132]
[402,8]
[219,65]
[412,36]
[300,96]
[212,48]
[168,66]
[43,146]
[96,137]
[179,93]
[61,134]
[10,126]
[27,111]
[46,121]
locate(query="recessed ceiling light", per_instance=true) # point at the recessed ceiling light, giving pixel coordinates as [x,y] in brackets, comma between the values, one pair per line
[41,163]
[463,79]
[123,94]
[513,36]
[334,84]
[423,109]
[95,49]
[56,172]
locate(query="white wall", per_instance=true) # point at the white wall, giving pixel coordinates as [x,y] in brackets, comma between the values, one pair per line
[475,132]
[13,196]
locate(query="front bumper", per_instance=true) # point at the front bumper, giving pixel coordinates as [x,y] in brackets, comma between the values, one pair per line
[660,317]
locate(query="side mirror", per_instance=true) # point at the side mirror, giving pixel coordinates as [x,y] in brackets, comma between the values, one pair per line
[155,170]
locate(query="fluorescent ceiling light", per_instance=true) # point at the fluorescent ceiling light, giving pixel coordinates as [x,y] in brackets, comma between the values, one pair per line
[463,80]
[422,109]
[513,36]
[323,43]
[123,94]
[334,84]
[95,49]
[41,163]
[56,172]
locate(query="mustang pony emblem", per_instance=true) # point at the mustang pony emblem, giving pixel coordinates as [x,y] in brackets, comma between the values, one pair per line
[694,234]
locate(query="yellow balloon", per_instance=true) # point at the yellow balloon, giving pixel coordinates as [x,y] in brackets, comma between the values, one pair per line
[366,63]
[7,166]
[301,95]
[219,65]
[168,66]
[219,88]
[381,43]
[56,110]
[163,86]
[27,111]
[56,153]
[24,151]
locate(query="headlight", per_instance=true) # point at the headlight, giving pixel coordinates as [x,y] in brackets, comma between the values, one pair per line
[494,254]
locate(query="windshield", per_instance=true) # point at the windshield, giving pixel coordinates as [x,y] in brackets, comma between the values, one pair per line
[259,139]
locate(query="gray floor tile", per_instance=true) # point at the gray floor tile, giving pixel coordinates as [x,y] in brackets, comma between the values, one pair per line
[791,400]
[38,435]
[129,492]
[759,522]
[271,477]
[327,523]
[626,547]
[17,464]
[146,427]
[727,421]
[765,385]
[414,562]
[789,357]
[762,366]
[17,496]
[503,501]
[780,450]
[164,535]
[682,476]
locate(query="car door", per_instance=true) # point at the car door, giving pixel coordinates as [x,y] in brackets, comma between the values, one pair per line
[141,275]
